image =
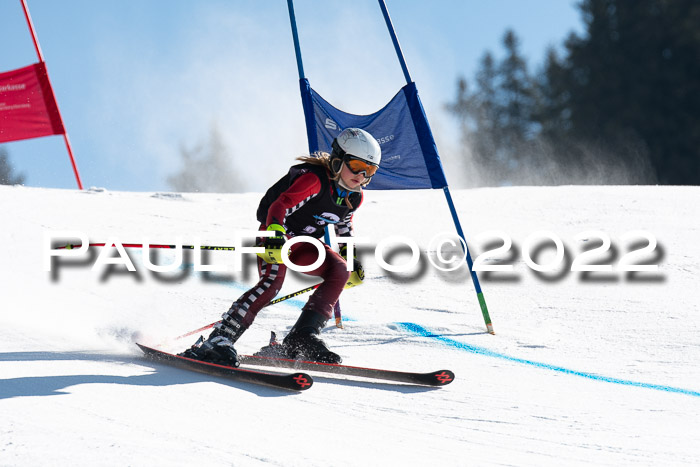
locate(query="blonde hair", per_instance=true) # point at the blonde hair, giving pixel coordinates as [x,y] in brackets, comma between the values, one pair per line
[322,159]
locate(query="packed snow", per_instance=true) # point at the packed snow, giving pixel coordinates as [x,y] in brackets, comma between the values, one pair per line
[584,367]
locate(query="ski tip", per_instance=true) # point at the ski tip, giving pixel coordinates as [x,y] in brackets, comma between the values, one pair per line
[302,381]
[489,329]
[443,377]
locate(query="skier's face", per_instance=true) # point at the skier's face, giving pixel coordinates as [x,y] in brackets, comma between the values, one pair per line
[350,179]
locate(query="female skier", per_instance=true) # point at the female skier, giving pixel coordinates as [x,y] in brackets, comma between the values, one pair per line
[324,189]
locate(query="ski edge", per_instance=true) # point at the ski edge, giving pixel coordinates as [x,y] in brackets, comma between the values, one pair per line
[435,378]
[293,381]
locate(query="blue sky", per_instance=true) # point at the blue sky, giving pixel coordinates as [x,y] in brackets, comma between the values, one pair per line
[136,80]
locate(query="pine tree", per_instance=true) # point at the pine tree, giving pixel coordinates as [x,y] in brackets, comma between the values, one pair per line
[497,122]
[620,105]
[516,93]
[633,83]
[7,177]
[207,168]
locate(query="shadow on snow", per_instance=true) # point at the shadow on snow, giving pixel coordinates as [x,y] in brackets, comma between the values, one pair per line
[160,375]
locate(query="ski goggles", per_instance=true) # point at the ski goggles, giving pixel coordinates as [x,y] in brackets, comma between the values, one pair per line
[358,166]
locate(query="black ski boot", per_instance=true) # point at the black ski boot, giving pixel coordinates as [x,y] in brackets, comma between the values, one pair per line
[303,343]
[218,348]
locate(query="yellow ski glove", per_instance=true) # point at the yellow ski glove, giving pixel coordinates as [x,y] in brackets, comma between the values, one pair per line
[273,245]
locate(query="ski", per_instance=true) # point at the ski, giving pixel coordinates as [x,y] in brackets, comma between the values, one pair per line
[293,381]
[435,378]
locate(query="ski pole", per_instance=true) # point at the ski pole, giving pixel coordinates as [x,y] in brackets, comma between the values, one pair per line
[153,245]
[277,300]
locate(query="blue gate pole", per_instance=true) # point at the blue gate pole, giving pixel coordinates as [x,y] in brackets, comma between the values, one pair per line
[304,87]
[307,104]
[446,189]
[395,40]
[470,263]
[295,36]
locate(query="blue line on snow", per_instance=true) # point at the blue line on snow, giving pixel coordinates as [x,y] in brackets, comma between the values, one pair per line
[421,331]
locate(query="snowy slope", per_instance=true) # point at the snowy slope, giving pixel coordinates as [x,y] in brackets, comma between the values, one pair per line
[599,368]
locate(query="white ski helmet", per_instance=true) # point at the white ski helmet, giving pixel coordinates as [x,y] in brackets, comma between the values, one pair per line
[356,143]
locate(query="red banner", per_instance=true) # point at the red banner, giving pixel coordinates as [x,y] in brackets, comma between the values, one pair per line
[28,107]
